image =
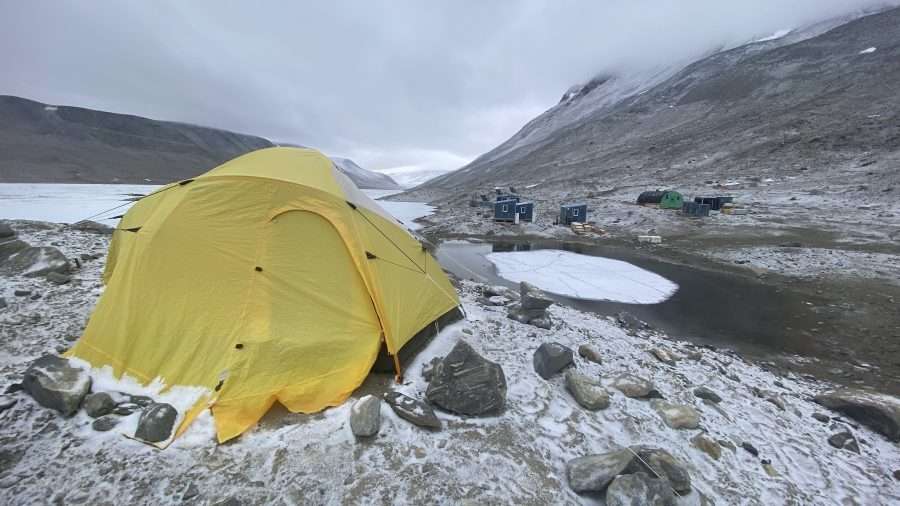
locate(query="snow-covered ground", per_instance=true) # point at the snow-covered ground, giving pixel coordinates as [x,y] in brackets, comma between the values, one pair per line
[518,457]
[584,276]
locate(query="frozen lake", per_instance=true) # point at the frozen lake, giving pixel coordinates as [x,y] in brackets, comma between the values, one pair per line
[69,203]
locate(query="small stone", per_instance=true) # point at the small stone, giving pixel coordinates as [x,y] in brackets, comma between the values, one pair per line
[36,296]
[590,353]
[54,383]
[663,356]
[845,441]
[707,445]
[156,423]
[767,467]
[593,473]
[6,231]
[7,402]
[22,293]
[587,392]
[897,475]
[105,423]
[750,448]
[550,358]
[126,408]
[639,489]
[705,393]
[191,492]
[727,444]
[428,368]
[141,401]
[777,401]
[634,386]
[365,416]
[57,278]
[821,417]
[2,303]
[98,404]
[412,410]
[677,416]
[467,331]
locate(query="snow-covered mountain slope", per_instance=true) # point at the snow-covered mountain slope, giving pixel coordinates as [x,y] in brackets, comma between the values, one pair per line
[804,97]
[409,177]
[42,143]
[365,179]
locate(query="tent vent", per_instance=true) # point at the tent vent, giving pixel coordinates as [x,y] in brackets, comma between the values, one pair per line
[132,229]
[258,269]
[115,217]
[239,346]
[370,256]
[219,385]
[351,204]
[186,181]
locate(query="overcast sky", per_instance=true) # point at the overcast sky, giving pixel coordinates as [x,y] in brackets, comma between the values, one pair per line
[390,83]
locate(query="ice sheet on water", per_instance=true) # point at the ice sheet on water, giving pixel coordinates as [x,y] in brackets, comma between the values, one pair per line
[583,276]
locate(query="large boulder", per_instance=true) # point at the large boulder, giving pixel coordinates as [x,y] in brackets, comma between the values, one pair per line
[156,423]
[593,473]
[550,358]
[36,261]
[879,412]
[54,383]
[844,440]
[658,462]
[365,416]
[677,416]
[466,383]
[586,391]
[6,231]
[10,246]
[639,489]
[92,226]
[412,410]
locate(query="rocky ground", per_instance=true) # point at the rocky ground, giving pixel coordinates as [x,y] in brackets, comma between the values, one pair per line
[546,425]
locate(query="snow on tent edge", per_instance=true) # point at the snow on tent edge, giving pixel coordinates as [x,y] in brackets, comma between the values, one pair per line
[584,277]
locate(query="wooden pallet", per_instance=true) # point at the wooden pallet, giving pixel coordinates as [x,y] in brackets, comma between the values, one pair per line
[586,228]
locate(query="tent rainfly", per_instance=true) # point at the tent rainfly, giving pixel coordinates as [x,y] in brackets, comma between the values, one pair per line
[269,278]
[665,199]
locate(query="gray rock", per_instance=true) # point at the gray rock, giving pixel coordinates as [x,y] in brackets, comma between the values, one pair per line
[844,440]
[57,278]
[466,383]
[707,445]
[126,408]
[590,353]
[639,489]
[656,461]
[677,416]
[10,247]
[663,356]
[411,410]
[37,261]
[98,404]
[879,412]
[550,358]
[821,417]
[750,448]
[56,384]
[629,321]
[156,423]
[587,392]
[496,291]
[6,231]
[593,473]
[2,303]
[105,423]
[634,386]
[22,293]
[532,300]
[141,400]
[705,393]
[777,401]
[365,416]
[191,492]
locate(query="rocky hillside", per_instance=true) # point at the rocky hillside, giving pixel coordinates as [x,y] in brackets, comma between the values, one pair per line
[814,99]
[59,144]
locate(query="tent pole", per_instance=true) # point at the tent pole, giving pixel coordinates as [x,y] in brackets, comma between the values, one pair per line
[398,376]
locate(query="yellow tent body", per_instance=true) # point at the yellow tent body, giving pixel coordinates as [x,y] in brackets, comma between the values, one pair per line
[269,278]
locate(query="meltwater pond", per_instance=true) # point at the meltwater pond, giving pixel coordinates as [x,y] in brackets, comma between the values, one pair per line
[697,305]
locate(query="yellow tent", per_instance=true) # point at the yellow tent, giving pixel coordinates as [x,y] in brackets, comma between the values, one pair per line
[270,277]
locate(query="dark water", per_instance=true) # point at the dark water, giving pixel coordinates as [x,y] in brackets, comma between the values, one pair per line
[708,308]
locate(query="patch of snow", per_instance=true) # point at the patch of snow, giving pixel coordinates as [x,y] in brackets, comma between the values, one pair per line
[405,212]
[50,108]
[775,36]
[409,176]
[868,50]
[583,276]
[66,203]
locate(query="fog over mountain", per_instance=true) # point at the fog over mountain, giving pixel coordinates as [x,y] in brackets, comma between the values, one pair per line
[395,84]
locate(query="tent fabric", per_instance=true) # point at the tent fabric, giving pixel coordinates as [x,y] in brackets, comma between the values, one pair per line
[265,279]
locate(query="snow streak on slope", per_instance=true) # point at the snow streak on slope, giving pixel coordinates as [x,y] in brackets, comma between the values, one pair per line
[364,179]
